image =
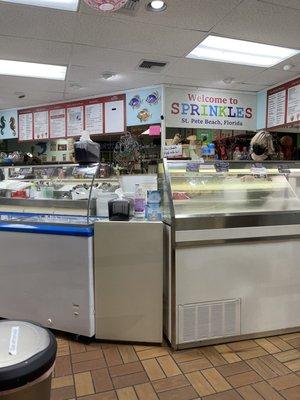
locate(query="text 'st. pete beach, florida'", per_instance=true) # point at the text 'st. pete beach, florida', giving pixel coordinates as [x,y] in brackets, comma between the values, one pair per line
[209,109]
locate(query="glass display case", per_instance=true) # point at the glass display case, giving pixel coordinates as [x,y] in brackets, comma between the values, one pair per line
[53,194]
[211,191]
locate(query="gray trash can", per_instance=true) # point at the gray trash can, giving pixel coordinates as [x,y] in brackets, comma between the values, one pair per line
[27,357]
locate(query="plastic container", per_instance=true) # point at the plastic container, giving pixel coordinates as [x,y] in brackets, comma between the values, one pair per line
[27,357]
[102,203]
[139,202]
[120,209]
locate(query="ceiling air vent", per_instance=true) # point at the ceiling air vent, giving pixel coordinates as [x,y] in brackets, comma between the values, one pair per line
[152,66]
[130,8]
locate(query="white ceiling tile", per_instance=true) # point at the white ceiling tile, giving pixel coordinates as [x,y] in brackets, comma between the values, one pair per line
[284,3]
[211,71]
[262,22]
[21,84]
[56,25]
[37,22]
[91,77]
[41,51]
[247,87]
[271,77]
[294,61]
[33,98]
[136,37]
[17,21]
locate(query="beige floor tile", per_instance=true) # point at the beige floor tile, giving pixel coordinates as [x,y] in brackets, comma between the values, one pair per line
[62,381]
[128,354]
[152,353]
[249,393]
[216,380]
[127,393]
[268,346]
[227,353]
[200,384]
[84,384]
[285,382]
[153,369]
[293,365]
[169,366]
[145,391]
[287,355]
[281,344]
[267,392]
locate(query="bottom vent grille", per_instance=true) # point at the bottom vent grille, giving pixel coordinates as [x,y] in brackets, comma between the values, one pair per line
[209,320]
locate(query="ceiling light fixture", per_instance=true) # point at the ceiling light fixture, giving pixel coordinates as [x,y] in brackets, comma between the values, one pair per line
[221,49]
[287,67]
[33,70]
[68,5]
[156,6]
[106,5]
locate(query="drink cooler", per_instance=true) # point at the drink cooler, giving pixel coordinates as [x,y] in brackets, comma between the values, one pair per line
[26,375]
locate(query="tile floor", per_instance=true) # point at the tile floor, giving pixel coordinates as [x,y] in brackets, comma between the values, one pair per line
[262,369]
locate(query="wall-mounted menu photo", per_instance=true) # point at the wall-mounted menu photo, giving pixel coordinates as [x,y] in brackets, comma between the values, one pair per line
[25,127]
[94,118]
[74,121]
[57,123]
[41,125]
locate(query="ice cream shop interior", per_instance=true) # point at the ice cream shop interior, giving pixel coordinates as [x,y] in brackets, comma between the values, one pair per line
[149,199]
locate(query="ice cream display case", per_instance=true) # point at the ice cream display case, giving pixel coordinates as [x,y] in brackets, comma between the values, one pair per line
[48,212]
[232,236]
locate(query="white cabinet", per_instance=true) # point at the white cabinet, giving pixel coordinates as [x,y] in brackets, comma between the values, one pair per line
[129,281]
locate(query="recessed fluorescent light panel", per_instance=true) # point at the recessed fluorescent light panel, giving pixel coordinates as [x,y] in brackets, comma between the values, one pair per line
[216,48]
[68,5]
[33,70]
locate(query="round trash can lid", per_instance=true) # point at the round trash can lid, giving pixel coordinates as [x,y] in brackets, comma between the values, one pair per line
[27,351]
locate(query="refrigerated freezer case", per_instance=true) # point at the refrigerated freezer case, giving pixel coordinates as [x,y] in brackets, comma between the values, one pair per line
[232,253]
[46,247]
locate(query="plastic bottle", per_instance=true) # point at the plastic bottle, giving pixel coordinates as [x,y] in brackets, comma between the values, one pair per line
[236,154]
[212,149]
[139,202]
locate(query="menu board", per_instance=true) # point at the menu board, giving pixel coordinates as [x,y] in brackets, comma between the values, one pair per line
[283,104]
[94,118]
[276,109]
[74,121]
[62,120]
[41,125]
[293,104]
[57,123]
[25,126]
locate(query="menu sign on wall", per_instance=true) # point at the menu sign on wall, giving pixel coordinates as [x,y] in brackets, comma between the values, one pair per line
[202,108]
[25,126]
[57,123]
[41,125]
[75,121]
[94,118]
[293,103]
[283,104]
[70,119]
[276,109]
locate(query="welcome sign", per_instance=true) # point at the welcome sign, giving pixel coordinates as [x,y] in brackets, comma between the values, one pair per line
[203,108]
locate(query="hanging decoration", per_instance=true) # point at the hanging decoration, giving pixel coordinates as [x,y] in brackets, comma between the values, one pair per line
[106,5]
[127,152]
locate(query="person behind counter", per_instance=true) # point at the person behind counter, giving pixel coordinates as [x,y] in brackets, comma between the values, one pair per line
[261,147]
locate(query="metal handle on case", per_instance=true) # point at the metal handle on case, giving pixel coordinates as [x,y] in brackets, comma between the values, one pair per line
[90,194]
